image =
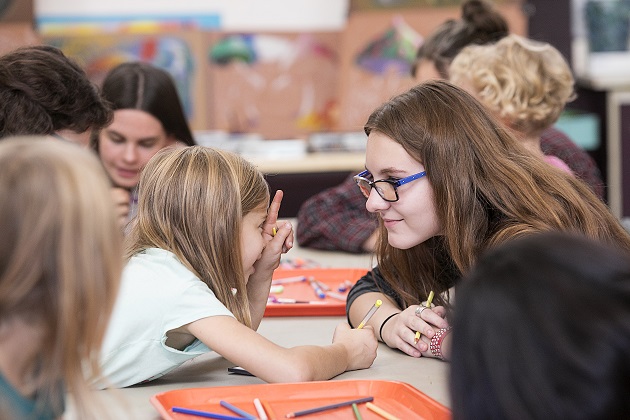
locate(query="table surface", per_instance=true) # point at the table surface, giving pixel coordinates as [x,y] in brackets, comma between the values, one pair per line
[427,375]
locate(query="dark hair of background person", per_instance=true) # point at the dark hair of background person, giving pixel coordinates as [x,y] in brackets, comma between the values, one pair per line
[542,330]
[42,91]
[142,86]
[480,23]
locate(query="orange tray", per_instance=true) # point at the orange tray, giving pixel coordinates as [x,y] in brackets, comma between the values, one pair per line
[304,292]
[398,398]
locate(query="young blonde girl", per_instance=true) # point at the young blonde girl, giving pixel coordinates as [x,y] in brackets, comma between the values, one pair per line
[201,256]
[60,264]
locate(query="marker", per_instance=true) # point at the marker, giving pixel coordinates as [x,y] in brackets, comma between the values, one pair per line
[318,290]
[367,316]
[288,300]
[428,305]
[337,296]
[344,286]
[323,285]
[276,288]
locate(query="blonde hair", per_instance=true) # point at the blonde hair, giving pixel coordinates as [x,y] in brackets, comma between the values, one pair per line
[60,256]
[525,82]
[191,202]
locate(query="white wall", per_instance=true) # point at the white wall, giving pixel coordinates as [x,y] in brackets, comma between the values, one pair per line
[237,15]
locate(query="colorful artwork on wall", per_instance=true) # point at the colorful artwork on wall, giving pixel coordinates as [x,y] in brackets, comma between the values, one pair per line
[174,53]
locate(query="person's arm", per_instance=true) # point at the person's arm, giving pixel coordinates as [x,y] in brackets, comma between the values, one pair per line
[259,283]
[393,325]
[350,350]
[336,219]
[121,197]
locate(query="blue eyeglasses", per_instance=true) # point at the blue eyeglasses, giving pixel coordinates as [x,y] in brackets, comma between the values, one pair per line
[386,188]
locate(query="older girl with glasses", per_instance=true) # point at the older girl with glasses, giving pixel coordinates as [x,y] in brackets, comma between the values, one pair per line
[448,182]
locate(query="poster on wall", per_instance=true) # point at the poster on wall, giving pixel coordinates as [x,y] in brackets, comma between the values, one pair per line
[280,85]
[175,53]
[378,49]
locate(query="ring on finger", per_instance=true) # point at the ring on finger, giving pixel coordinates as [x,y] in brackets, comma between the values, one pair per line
[419,310]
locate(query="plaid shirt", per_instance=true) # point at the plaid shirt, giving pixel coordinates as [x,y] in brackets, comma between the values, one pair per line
[336,218]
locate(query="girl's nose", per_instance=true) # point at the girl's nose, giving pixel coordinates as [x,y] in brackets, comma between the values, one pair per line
[375,203]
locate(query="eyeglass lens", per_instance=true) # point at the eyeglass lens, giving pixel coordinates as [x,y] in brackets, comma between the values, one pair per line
[386,190]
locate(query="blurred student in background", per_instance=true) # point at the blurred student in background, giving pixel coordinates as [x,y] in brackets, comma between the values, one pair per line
[60,264]
[148,116]
[525,83]
[43,92]
[336,219]
[542,331]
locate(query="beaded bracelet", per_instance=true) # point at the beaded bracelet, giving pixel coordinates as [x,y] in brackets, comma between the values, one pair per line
[380,331]
[436,342]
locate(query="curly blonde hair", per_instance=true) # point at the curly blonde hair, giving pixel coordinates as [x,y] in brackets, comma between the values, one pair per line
[524,82]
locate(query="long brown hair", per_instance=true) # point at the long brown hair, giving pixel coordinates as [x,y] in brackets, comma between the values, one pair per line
[60,256]
[191,202]
[488,189]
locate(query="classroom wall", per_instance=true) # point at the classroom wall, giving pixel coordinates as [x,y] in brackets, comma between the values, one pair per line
[296,68]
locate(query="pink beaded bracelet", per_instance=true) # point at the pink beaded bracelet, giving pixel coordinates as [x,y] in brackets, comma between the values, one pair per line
[436,341]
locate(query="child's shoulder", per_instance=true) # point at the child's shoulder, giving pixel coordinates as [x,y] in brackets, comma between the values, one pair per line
[156,264]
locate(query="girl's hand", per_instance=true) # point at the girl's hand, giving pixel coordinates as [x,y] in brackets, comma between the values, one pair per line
[360,345]
[400,332]
[121,197]
[271,223]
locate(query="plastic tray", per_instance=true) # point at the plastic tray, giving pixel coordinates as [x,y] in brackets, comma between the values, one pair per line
[398,398]
[304,292]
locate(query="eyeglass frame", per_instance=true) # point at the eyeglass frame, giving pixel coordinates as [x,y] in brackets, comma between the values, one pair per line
[395,184]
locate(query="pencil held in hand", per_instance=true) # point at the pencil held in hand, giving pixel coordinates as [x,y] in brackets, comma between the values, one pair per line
[367,316]
[428,305]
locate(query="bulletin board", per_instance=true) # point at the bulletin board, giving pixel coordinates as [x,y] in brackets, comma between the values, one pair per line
[377,54]
[280,85]
[178,53]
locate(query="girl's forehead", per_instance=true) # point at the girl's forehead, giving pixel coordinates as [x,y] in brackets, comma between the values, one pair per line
[383,154]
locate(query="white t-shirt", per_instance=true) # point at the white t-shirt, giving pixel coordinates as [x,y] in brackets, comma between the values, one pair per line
[157,294]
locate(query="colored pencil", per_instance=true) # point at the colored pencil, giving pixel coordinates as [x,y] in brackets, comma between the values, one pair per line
[270,413]
[289,300]
[328,407]
[323,285]
[381,412]
[367,316]
[286,280]
[262,415]
[428,305]
[355,410]
[237,410]
[206,414]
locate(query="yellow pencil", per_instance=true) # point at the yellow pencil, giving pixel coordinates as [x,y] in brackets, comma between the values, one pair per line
[428,305]
[367,316]
[381,412]
[274,230]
